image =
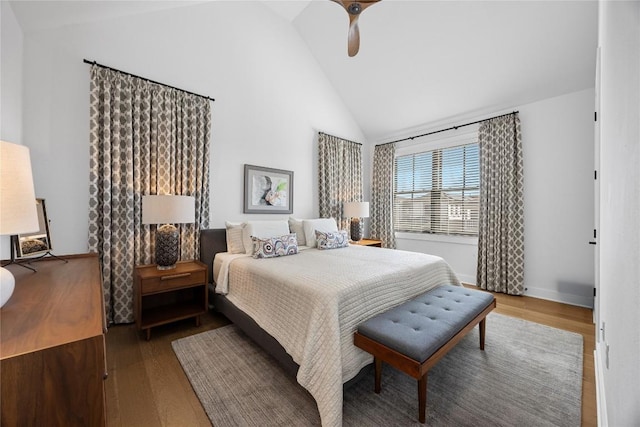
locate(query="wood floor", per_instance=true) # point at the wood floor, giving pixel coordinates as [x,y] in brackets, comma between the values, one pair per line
[147,387]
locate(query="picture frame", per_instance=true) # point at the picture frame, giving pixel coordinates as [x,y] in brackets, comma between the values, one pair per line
[38,243]
[267,190]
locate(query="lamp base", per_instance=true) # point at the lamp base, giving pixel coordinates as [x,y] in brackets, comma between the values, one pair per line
[167,238]
[7,285]
[356,229]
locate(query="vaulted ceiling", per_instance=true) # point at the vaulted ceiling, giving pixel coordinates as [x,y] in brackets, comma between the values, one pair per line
[426,61]
[420,62]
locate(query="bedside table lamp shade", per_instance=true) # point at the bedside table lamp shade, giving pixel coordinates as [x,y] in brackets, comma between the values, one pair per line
[18,213]
[355,211]
[167,210]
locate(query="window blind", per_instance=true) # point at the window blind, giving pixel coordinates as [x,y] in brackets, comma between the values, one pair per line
[438,191]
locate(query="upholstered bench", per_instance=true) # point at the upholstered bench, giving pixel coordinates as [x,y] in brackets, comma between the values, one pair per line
[415,335]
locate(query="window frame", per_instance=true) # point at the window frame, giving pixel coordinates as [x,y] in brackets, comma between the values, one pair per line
[450,139]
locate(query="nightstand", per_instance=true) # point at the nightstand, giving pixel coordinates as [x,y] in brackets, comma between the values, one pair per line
[367,242]
[164,296]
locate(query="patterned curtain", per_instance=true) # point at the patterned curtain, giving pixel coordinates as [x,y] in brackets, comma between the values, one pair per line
[145,138]
[382,195]
[501,228]
[340,176]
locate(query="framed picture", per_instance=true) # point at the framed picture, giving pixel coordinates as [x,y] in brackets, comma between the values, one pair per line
[267,190]
[37,243]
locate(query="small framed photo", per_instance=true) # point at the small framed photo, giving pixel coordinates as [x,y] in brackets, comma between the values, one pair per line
[267,190]
[37,243]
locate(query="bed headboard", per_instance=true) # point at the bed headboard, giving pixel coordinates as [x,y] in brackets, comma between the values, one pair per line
[212,241]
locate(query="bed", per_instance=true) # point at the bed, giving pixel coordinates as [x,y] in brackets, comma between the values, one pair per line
[304,308]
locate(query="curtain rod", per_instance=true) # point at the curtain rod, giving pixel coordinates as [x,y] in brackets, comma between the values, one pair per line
[449,128]
[86,61]
[344,139]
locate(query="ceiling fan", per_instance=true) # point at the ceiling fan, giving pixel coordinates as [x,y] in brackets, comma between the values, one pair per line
[354,9]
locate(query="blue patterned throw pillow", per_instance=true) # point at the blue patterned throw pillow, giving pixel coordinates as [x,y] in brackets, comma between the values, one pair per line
[275,246]
[332,239]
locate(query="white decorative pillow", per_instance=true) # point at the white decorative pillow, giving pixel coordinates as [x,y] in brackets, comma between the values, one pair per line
[296,226]
[262,229]
[275,246]
[235,245]
[332,239]
[321,224]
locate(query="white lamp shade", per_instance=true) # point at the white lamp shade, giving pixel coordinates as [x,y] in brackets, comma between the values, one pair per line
[356,209]
[168,209]
[18,212]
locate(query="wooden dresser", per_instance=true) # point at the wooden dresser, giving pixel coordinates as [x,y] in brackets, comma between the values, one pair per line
[52,345]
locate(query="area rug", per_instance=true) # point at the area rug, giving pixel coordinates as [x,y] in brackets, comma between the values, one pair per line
[528,375]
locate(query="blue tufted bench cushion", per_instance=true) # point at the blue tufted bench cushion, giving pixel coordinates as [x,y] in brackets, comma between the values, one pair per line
[415,335]
[421,326]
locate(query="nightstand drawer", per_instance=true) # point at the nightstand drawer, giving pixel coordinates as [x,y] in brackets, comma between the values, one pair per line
[172,281]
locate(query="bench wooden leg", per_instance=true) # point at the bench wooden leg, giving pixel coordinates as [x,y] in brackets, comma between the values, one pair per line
[422,398]
[378,374]
[482,328]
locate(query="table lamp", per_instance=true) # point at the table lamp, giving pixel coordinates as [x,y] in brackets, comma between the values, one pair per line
[167,210]
[18,213]
[355,211]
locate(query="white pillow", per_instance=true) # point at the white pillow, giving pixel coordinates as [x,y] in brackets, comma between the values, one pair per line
[321,224]
[296,226]
[262,230]
[235,245]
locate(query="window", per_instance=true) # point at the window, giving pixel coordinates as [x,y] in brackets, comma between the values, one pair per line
[438,191]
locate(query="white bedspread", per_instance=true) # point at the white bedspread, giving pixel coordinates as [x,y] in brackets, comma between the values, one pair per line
[312,303]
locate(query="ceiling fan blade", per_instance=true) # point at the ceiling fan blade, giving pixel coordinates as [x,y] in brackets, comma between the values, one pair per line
[354,8]
[354,37]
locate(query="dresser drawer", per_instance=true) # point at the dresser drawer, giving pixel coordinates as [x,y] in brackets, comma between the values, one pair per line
[172,281]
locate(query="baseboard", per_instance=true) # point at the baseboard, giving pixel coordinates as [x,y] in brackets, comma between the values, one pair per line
[465,279]
[601,403]
[572,299]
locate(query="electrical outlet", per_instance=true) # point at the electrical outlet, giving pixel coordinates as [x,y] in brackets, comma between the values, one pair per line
[606,359]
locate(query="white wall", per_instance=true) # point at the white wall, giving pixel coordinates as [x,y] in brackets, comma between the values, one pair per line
[461,253]
[271,99]
[11,76]
[557,138]
[10,88]
[618,350]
